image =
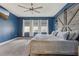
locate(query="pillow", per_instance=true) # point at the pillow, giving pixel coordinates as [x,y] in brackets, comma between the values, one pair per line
[62,35]
[76,34]
[77,38]
[54,33]
[71,35]
[42,36]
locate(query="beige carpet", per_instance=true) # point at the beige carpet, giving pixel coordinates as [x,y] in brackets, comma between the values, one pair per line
[14,48]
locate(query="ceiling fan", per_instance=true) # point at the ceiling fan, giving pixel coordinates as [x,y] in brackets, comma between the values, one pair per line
[32,8]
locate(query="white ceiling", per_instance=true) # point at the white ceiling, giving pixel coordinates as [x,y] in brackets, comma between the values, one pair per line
[48,10]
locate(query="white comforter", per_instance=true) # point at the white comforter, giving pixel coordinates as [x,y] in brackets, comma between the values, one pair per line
[58,45]
[45,37]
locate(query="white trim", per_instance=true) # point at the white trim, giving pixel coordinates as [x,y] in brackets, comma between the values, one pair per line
[47,27]
[39,27]
[31,27]
[8,41]
[23,28]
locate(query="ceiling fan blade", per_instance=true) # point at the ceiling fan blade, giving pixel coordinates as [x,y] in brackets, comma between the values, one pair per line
[36,11]
[38,7]
[23,7]
[26,10]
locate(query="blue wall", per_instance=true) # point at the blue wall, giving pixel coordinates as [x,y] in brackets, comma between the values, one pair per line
[52,27]
[10,28]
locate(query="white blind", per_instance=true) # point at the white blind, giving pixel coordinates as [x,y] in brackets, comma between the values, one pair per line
[37,26]
[27,22]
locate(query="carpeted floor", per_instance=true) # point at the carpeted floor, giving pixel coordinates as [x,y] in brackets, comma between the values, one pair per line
[18,47]
[14,48]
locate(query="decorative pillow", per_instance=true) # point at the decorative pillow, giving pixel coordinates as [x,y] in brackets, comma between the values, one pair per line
[62,35]
[54,33]
[71,34]
[42,36]
[75,36]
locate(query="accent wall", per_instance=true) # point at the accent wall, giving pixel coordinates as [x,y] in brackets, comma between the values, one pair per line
[9,28]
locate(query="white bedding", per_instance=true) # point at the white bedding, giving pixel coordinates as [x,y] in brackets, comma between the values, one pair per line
[41,36]
[53,44]
[47,37]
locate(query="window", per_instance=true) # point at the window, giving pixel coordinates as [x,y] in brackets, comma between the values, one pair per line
[44,26]
[27,26]
[35,26]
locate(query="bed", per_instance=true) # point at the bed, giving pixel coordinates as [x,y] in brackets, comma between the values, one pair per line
[44,44]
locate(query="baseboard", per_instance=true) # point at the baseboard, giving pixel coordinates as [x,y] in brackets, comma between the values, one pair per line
[8,41]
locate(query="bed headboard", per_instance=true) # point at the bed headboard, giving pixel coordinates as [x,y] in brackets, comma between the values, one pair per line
[69,19]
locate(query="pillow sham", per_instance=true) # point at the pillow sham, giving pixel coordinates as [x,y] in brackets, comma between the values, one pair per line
[54,33]
[63,35]
[75,36]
